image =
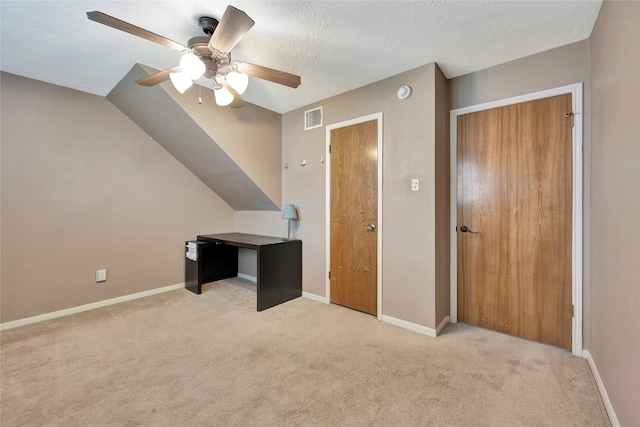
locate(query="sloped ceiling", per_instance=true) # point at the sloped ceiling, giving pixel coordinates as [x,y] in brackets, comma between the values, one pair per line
[335,46]
[157,113]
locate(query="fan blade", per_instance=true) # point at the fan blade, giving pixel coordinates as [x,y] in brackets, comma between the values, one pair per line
[232,27]
[270,74]
[237,100]
[110,21]
[158,77]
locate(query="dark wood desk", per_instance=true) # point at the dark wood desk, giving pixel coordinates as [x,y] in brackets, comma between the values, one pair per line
[279,272]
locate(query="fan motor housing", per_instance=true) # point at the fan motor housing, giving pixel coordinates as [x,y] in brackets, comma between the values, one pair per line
[199,44]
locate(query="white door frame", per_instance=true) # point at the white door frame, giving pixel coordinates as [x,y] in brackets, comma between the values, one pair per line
[378,117]
[576,238]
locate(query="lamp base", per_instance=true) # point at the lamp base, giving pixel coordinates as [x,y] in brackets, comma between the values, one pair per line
[289,231]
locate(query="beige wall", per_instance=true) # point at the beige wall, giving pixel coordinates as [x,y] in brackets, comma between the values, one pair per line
[554,68]
[442,189]
[614,324]
[197,135]
[409,218]
[267,223]
[83,188]
[251,135]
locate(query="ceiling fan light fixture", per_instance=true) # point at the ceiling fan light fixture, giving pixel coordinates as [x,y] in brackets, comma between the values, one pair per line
[206,56]
[238,81]
[223,97]
[192,66]
[180,81]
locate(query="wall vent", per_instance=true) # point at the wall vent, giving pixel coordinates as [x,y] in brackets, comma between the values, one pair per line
[313,118]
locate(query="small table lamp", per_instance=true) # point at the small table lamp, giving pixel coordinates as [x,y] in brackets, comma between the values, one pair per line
[289,213]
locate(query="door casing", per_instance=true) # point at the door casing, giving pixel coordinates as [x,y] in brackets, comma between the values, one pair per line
[576,237]
[329,128]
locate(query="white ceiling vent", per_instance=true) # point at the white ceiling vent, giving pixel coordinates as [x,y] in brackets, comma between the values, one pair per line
[313,118]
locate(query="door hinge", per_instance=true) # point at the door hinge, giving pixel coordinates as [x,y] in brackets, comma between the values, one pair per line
[329,148]
[329,275]
[573,310]
[570,114]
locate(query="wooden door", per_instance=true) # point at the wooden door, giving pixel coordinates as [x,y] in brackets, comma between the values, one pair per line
[354,212]
[515,191]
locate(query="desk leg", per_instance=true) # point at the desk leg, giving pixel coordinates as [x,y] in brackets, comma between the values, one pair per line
[215,262]
[279,273]
[192,278]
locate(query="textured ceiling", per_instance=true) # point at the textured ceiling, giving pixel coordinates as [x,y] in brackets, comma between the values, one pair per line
[335,46]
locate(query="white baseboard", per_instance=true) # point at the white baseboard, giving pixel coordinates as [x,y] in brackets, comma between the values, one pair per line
[603,391]
[315,297]
[247,277]
[85,307]
[304,294]
[410,326]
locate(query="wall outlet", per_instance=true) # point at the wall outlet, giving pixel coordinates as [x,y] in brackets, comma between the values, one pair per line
[101,275]
[415,184]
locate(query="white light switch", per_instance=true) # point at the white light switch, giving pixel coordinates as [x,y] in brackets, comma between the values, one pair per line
[415,184]
[101,275]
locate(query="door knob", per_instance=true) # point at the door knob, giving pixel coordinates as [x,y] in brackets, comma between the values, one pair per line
[466,229]
[371,227]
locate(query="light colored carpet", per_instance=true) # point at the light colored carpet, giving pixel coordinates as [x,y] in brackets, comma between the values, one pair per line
[177,359]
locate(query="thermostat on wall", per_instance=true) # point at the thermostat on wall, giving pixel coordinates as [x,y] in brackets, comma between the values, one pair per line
[404,92]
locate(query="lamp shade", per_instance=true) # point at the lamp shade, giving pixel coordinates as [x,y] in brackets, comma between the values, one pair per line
[180,81]
[289,212]
[223,96]
[238,81]
[192,66]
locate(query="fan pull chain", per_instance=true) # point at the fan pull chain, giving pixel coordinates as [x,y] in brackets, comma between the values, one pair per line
[200,94]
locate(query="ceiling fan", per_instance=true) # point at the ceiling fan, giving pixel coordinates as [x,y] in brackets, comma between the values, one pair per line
[207,56]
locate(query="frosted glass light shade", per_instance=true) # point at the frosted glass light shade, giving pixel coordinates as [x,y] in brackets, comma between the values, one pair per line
[238,81]
[191,65]
[223,97]
[180,81]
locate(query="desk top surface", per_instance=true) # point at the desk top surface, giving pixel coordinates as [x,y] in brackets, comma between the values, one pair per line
[243,239]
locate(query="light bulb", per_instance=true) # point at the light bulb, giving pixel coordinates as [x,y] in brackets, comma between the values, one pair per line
[223,97]
[191,65]
[238,81]
[180,81]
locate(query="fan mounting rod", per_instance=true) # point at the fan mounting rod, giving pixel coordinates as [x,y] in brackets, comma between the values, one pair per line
[208,24]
